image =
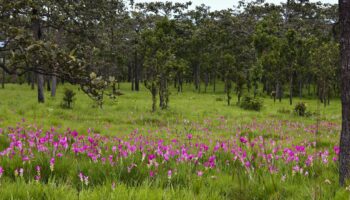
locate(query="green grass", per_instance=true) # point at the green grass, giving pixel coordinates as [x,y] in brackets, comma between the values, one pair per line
[133,110]
[203,110]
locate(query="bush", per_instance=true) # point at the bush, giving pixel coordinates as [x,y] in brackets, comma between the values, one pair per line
[219,99]
[68,98]
[300,109]
[251,103]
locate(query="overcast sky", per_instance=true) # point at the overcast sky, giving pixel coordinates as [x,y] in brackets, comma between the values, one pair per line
[223,4]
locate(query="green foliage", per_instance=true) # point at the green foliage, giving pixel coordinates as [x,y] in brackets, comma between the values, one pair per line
[300,109]
[68,98]
[251,103]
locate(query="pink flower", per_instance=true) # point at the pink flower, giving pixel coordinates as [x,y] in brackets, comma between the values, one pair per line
[243,140]
[296,168]
[247,164]
[189,136]
[151,174]
[74,133]
[151,157]
[1,171]
[199,173]
[21,171]
[52,164]
[300,148]
[169,174]
[81,177]
[25,158]
[52,161]
[336,150]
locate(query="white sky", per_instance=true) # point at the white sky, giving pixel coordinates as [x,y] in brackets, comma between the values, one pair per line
[223,4]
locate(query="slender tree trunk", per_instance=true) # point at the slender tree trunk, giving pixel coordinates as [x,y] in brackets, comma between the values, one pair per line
[228,86]
[291,89]
[214,83]
[32,80]
[197,78]
[48,86]
[154,97]
[53,87]
[3,75]
[37,34]
[279,91]
[179,84]
[324,95]
[300,89]
[41,98]
[344,159]
[28,78]
[136,73]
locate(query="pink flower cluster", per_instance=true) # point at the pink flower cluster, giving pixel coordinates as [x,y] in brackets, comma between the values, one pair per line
[206,152]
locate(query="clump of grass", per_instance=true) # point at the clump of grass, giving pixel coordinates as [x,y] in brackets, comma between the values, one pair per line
[251,103]
[68,98]
[283,110]
[300,109]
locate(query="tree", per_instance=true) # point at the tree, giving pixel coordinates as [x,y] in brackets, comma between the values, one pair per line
[344,158]
[289,55]
[228,70]
[27,28]
[325,61]
[159,60]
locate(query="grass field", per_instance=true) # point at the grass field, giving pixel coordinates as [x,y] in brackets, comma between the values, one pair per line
[199,148]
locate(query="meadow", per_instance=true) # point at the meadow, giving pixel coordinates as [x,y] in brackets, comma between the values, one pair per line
[199,148]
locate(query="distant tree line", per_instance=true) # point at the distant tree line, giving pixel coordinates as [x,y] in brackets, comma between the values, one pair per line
[290,49]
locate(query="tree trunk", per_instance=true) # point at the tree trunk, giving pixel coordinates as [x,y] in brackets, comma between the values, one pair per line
[291,89]
[41,98]
[48,86]
[136,74]
[324,94]
[228,86]
[214,83]
[53,86]
[279,91]
[37,34]
[344,158]
[28,78]
[179,84]
[300,89]
[3,76]
[32,80]
[154,97]
[206,82]
[197,78]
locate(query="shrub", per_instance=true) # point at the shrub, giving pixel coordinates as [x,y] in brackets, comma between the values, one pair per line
[251,103]
[219,99]
[300,109]
[68,98]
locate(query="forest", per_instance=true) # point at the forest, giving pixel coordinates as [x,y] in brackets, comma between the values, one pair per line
[115,99]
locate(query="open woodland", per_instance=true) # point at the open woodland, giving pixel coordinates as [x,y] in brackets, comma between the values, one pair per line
[113,99]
